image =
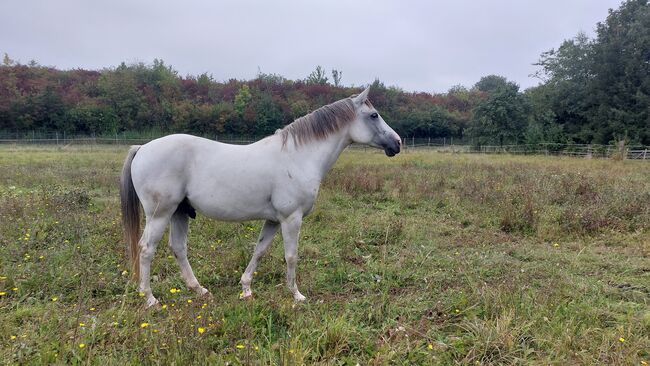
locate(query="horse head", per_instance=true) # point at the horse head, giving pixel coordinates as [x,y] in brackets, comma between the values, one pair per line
[370,129]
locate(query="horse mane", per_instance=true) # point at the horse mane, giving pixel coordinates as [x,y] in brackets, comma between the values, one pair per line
[320,123]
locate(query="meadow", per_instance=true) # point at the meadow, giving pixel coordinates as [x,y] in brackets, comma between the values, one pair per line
[425,258]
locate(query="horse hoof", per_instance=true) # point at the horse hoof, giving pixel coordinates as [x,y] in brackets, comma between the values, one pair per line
[152,303]
[299,297]
[246,295]
[204,293]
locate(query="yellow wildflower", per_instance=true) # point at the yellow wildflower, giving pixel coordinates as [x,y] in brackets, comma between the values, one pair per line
[82,345]
[2,293]
[201,330]
[189,301]
[82,324]
[621,339]
[174,290]
[144,325]
[14,289]
[13,337]
[55,298]
[430,346]
[92,309]
[164,306]
[198,317]
[644,363]
[240,346]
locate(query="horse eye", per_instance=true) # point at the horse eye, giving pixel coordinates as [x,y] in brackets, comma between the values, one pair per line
[374,116]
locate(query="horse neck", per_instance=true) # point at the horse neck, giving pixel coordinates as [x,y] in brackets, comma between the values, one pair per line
[318,156]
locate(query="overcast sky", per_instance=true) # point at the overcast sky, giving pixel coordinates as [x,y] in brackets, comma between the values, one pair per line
[416,45]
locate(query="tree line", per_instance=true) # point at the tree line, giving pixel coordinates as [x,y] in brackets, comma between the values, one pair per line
[591,91]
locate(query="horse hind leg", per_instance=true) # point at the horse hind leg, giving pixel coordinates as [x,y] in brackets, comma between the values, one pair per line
[151,235]
[178,244]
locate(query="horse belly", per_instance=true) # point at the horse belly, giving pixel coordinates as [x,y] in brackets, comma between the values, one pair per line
[233,205]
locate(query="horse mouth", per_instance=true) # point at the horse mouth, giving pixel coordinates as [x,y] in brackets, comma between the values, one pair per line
[390,152]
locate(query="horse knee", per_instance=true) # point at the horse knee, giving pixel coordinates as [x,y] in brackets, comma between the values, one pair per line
[147,252]
[291,259]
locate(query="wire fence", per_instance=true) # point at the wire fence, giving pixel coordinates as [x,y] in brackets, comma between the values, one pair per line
[443,144]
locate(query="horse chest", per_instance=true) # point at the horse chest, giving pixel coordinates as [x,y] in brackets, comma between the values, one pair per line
[293,194]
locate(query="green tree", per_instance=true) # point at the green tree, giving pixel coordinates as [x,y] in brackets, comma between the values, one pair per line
[337,75]
[621,69]
[490,83]
[90,118]
[542,126]
[568,77]
[242,99]
[318,76]
[502,116]
[7,61]
[119,89]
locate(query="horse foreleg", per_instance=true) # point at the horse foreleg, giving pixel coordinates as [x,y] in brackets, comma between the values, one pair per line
[266,238]
[178,243]
[151,235]
[290,234]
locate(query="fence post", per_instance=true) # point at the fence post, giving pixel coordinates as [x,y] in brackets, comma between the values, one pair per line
[621,149]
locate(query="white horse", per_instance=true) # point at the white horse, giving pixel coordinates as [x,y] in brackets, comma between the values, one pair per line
[275,179]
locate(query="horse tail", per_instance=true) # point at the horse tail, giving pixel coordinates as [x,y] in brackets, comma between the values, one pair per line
[130,213]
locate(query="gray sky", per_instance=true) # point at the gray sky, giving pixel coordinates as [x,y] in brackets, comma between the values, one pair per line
[416,45]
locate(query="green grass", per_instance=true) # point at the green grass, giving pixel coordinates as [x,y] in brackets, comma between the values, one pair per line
[426,258]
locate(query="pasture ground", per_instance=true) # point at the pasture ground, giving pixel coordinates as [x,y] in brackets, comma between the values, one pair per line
[426,258]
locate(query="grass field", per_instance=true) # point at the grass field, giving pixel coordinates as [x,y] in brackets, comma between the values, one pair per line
[426,258]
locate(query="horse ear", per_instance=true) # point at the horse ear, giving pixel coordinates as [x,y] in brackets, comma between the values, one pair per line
[362,97]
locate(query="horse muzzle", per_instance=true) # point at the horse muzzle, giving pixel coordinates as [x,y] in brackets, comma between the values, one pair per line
[392,148]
